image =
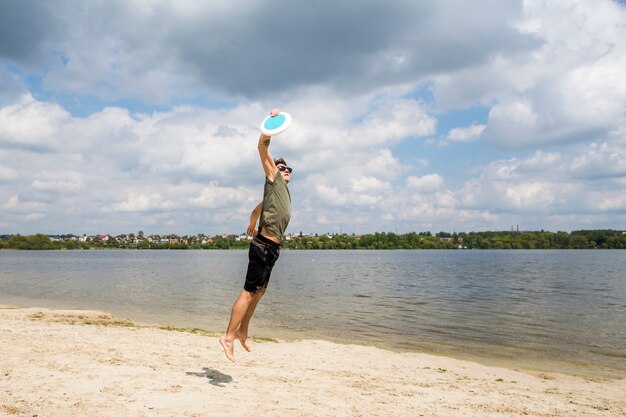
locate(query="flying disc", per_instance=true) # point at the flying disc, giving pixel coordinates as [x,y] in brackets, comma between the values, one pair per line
[272,126]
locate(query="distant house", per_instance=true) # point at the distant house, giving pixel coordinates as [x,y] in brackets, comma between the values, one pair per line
[243,237]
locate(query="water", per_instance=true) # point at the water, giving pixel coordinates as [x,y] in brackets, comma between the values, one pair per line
[548,310]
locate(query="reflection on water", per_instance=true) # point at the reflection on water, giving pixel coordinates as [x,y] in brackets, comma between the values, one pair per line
[559,309]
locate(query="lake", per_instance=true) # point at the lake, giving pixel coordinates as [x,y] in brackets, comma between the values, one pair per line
[551,310]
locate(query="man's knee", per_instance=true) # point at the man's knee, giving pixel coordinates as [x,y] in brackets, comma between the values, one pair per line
[254,294]
[258,293]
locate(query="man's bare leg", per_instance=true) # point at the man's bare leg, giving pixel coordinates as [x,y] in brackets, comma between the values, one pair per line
[242,331]
[240,308]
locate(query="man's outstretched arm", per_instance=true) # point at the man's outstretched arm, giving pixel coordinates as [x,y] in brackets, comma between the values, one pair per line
[267,161]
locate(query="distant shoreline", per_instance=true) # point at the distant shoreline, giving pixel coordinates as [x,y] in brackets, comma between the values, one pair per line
[581,239]
[296,249]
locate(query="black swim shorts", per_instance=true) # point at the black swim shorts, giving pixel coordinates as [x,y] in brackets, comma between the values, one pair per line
[262,256]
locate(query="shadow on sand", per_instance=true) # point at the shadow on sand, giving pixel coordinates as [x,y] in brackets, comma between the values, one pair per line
[215,377]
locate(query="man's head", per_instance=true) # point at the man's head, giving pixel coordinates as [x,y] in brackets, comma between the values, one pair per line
[283,168]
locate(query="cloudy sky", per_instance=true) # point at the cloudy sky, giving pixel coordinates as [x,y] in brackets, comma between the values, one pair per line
[125,115]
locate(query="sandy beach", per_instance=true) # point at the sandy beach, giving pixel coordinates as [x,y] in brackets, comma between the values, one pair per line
[89,363]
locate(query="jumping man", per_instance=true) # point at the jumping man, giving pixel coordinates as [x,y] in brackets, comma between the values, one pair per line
[273,214]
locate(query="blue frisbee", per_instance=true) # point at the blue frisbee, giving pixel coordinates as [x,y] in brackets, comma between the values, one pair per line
[272,126]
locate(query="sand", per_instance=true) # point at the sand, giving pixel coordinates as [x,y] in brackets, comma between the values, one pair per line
[89,363]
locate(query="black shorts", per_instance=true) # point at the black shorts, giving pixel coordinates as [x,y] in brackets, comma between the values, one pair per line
[262,256]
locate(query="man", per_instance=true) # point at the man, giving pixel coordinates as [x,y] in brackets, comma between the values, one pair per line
[273,214]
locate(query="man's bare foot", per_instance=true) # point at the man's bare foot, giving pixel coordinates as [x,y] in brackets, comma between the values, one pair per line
[244,341]
[229,349]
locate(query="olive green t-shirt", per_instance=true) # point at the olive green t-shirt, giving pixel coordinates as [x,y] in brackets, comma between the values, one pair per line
[276,209]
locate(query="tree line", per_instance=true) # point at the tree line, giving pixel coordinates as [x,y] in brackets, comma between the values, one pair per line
[580,239]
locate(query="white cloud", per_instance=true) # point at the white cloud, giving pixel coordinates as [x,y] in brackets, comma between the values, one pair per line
[397,120]
[142,202]
[600,160]
[30,123]
[514,114]
[213,196]
[586,180]
[384,164]
[460,134]
[59,181]
[24,210]
[370,184]
[425,184]
[464,134]
[334,197]
[529,195]
[540,164]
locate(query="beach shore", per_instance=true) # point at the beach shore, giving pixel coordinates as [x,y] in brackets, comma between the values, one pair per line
[90,363]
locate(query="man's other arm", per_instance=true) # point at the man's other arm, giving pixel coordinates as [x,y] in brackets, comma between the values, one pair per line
[254,218]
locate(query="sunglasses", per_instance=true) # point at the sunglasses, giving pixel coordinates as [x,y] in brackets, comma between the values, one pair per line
[284,168]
